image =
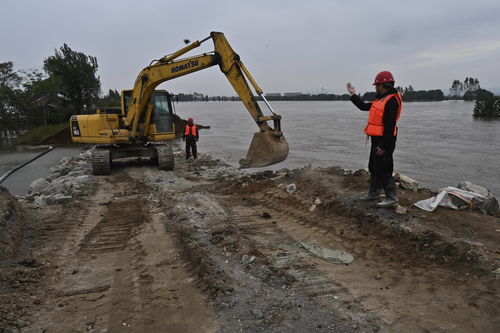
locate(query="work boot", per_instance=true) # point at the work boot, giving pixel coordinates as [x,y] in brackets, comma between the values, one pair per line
[373,192]
[390,194]
[187,155]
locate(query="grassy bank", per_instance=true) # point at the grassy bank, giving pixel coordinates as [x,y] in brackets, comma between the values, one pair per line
[41,134]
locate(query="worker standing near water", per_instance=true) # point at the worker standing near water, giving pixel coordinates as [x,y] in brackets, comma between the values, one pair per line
[191,136]
[382,130]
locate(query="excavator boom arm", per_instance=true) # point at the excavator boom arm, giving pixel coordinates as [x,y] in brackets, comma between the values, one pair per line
[150,77]
[267,147]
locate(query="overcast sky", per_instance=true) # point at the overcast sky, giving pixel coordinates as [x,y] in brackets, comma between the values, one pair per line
[288,46]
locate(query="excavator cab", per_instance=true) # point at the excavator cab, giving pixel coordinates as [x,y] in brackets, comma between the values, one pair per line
[160,120]
[162,115]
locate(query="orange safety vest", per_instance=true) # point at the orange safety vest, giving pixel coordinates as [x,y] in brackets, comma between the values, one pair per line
[193,130]
[375,126]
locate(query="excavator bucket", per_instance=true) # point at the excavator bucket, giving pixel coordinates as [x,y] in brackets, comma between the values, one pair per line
[265,149]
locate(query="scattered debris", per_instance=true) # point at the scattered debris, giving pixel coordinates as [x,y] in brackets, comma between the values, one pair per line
[489,205]
[247,259]
[266,215]
[333,256]
[458,198]
[497,273]
[400,210]
[257,314]
[291,188]
[406,182]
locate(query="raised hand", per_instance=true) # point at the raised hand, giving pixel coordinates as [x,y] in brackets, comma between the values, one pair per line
[351,89]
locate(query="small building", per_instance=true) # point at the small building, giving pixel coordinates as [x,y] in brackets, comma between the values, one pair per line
[292,94]
[49,103]
[51,99]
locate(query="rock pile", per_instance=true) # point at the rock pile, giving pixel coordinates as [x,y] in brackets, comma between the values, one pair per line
[70,178]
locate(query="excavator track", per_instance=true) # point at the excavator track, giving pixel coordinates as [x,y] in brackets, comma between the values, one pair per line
[101,161]
[165,157]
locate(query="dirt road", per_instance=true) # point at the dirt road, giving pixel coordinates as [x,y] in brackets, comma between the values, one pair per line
[206,248]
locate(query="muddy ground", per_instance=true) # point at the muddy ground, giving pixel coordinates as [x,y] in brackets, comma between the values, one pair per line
[208,248]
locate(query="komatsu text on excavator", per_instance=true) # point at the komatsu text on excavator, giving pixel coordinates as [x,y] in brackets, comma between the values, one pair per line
[145,121]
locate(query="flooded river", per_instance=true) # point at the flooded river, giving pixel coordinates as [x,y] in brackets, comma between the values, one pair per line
[439,143]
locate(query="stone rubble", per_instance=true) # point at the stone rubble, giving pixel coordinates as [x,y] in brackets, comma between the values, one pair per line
[290,188]
[406,182]
[70,178]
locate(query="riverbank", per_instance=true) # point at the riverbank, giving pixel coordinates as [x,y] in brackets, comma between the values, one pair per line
[51,134]
[210,248]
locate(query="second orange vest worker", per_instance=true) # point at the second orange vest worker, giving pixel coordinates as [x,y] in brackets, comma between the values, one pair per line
[190,130]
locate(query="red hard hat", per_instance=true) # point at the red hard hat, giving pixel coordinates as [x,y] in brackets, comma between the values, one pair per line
[383,77]
[190,120]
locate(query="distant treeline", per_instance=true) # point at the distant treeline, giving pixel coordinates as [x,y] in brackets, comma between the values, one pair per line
[408,93]
[411,95]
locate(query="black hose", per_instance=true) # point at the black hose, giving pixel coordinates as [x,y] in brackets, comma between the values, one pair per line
[24,164]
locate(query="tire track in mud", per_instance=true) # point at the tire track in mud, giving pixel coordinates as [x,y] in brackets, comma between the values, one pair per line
[249,295]
[118,270]
[404,297]
[281,250]
[115,228]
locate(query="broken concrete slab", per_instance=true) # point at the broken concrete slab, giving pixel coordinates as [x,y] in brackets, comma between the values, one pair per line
[333,256]
[38,185]
[400,210]
[489,204]
[406,182]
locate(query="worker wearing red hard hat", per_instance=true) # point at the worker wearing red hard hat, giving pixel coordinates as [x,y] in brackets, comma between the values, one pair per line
[382,130]
[191,136]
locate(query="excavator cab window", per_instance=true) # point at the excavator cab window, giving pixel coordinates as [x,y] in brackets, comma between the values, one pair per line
[162,115]
[126,95]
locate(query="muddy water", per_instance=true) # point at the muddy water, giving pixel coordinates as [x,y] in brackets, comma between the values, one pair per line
[439,143]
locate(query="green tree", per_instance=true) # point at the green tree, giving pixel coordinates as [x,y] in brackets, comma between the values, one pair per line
[369,96]
[10,96]
[112,99]
[488,108]
[8,77]
[456,88]
[409,93]
[471,84]
[42,104]
[76,73]
[478,94]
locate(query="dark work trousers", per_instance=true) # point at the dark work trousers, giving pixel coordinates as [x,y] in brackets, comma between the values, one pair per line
[191,146]
[381,166]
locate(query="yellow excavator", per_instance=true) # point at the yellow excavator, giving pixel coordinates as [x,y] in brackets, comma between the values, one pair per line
[145,121]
